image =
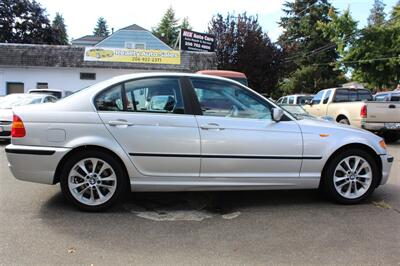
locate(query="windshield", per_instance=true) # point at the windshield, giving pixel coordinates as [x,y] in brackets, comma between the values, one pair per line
[12,100]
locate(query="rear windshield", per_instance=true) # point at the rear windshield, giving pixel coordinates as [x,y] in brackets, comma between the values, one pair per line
[352,95]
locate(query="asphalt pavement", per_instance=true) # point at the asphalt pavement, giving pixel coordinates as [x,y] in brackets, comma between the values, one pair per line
[38,227]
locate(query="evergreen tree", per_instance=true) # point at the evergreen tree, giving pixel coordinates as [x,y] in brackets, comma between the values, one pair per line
[24,21]
[307,51]
[377,15]
[242,46]
[185,24]
[167,30]
[101,29]
[59,30]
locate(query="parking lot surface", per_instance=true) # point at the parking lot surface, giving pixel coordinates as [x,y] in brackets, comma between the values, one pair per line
[37,226]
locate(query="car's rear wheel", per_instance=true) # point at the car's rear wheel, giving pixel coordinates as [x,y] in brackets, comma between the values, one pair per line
[93,180]
[350,177]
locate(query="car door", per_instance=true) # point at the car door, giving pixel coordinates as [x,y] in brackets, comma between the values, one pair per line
[149,120]
[238,136]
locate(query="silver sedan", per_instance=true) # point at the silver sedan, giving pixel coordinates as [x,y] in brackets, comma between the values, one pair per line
[187,132]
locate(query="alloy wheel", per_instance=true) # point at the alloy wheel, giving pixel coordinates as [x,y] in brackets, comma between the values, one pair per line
[352,177]
[92,181]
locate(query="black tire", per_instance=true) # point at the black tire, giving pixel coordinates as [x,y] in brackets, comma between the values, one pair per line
[327,182]
[344,121]
[122,181]
[391,137]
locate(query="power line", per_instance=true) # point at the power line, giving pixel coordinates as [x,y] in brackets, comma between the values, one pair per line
[332,45]
[358,61]
[308,7]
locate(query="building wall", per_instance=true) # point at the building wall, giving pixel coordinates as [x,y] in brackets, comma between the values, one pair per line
[118,39]
[57,78]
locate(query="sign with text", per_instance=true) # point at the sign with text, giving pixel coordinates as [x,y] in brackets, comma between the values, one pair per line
[196,41]
[132,56]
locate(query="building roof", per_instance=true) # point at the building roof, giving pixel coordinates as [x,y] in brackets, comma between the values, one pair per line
[89,38]
[33,55]
[134,27]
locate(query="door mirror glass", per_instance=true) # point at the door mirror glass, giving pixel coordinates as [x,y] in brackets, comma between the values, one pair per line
[277,114]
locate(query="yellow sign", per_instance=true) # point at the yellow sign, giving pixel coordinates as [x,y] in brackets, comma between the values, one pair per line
[132,56]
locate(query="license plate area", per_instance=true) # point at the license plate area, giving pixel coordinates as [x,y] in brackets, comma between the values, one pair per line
[392,125]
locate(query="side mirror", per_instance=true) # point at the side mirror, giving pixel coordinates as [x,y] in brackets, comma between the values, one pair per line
[277,114]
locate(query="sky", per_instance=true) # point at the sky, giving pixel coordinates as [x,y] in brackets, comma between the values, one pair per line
[81,15]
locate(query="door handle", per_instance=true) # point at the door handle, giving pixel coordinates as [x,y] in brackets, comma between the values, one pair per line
[209,126]
[392,106]
[120,122]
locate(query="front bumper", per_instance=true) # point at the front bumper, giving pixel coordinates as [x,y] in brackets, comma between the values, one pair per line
[34,163]
[387,161]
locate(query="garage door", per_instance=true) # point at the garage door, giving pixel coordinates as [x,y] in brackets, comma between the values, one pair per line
[15,87]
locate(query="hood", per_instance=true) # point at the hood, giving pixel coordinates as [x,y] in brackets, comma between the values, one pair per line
[6,115]
[317,126]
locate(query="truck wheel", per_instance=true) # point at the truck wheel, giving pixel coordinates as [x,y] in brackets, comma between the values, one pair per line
[350,177]
[391,137]
[344,121]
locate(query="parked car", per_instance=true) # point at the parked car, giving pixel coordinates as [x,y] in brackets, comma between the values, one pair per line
[234,75]
[354,107]
[387,96]
[186,132]
[56,93]
[296,99]
[18,99]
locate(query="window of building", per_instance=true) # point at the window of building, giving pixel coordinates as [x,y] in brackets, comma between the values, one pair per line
[42,85]
[135,45]
[88,76]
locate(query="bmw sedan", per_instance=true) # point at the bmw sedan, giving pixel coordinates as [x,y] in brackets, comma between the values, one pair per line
[187,132]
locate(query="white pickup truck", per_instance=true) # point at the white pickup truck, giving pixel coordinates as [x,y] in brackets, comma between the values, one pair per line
[355,107]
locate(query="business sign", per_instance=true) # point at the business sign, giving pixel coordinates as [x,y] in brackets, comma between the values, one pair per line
[132,56]
[196,41]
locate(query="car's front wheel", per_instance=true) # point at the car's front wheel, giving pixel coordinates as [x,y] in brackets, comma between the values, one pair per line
[350,177]
[93,180]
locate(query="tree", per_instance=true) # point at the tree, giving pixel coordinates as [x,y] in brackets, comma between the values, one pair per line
[185,24]
[59,30]
[101,29]
[167,30]
[342,31]
[24,21]
[377,15]
[309,54]
[242,46]
[374,56]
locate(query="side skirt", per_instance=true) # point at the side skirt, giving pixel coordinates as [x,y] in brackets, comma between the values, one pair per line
[222,184]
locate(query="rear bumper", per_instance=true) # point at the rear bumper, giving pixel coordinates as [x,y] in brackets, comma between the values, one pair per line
[5,132]
[378,127]
[387,161]
[34,163]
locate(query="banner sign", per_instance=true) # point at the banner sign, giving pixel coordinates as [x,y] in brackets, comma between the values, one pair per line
[132,56]
[196,41]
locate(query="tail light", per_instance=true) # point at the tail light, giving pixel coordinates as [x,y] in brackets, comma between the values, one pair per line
[17,128]
[363,112]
